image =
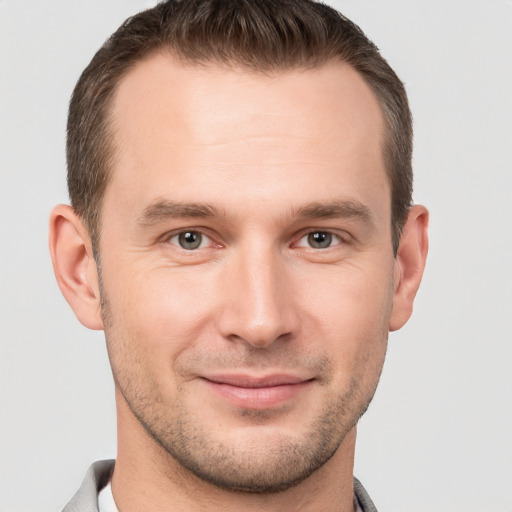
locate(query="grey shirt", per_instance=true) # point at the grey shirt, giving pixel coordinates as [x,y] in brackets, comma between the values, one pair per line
[98,475]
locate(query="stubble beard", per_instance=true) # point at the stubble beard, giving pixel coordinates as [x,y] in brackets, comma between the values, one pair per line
[262,465]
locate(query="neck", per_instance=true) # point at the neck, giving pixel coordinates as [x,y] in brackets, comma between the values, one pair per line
[147,477]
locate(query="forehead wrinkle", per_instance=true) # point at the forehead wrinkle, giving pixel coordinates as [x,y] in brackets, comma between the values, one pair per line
[239,139]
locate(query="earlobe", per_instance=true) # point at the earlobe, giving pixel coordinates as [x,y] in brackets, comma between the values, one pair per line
[74,265]
[409,265]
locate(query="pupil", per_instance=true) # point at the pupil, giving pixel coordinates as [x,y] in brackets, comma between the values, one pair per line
[320,239]
[190,240]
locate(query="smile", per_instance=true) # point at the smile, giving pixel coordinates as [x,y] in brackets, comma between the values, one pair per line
[257,393]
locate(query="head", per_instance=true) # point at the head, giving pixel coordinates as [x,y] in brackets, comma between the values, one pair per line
[242,172]
[260,36]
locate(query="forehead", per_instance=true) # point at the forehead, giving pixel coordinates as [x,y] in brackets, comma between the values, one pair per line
[178,126]
[333,95]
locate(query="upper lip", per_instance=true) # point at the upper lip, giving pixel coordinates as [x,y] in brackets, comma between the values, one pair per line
[251,381]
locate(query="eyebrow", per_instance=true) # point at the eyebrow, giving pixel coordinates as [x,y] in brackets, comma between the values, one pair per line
[347,209]
[164,209]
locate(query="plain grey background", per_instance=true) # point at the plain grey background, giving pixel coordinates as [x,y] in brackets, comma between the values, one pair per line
[438,436]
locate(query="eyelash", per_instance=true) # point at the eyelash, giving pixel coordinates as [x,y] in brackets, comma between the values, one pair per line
[185,232]
[321,235]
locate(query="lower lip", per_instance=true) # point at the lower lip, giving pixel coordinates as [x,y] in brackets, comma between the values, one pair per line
[258,398]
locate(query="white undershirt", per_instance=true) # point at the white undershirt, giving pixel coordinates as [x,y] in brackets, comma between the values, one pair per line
[106,501]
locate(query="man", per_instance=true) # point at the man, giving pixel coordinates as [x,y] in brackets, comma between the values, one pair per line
[241,227]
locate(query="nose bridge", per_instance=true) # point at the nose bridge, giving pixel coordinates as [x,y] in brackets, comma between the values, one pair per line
[259,303]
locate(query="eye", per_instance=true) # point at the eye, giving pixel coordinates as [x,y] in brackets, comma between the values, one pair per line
[189,240]
[319,240]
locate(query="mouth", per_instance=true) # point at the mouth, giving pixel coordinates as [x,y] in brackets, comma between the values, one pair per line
[258,393]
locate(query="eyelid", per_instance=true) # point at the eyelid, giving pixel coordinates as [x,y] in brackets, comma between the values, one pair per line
[342,237]
[167,237]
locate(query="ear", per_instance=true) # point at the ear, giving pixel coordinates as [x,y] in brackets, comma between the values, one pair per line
[409,265]
[74,265]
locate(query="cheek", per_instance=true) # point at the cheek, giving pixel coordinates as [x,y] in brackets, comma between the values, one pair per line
[350,297]
[152,322]
[349,311]
[162,310]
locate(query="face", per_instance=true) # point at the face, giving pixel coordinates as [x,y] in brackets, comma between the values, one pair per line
[247,265]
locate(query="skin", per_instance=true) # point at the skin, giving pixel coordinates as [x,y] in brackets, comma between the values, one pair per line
[242,366]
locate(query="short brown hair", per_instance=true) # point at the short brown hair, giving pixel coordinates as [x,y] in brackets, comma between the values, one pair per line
[263,35]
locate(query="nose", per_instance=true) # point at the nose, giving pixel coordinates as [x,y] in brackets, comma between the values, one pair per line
[258,306]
